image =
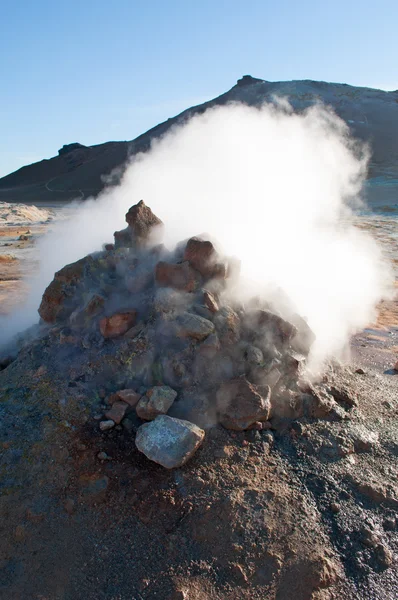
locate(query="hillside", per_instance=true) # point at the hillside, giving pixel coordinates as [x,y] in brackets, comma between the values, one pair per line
[78,171]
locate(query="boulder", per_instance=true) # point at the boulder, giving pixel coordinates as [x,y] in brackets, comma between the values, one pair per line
[180,276]
[240,404]
[118,324]
[168,441]
[194,326]
[157,401]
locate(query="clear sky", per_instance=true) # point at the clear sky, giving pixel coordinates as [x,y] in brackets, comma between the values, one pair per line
[99,70]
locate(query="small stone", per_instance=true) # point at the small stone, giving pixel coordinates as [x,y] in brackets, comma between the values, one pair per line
[384,556]
[369,538]
[131,397]
[335,507]
[168,441]
[118,324]
[360,371]
[254,356]
[105,425]
[117,411]
[103,456]
[189,325]
[157,401]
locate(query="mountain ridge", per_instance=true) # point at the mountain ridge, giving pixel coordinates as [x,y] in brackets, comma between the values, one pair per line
[81,171]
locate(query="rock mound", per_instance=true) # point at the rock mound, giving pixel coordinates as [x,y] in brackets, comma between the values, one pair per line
[164,325]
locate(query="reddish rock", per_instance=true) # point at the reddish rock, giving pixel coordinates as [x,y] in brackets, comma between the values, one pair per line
[179,277]
[396,366]
[131,397]
[117,411]
[52,301]
[202,256]
[117,324]
[52,306]
[141,220]
[210,302]
[240,404]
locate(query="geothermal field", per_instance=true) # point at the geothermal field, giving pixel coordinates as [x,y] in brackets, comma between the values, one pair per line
[199,365]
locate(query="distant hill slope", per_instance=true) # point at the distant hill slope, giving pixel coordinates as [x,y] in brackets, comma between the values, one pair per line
[78,171]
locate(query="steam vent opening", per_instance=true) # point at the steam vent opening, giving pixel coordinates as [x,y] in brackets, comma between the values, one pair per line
[167,354]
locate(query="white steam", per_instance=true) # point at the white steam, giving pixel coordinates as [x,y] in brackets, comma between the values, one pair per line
[274,188]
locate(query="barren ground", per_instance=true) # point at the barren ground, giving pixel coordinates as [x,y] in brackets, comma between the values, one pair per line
[306,511]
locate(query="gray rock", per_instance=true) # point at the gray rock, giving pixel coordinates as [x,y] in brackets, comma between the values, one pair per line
[254,356]
[169,442]
[157,401]
[105,425]
[194,326]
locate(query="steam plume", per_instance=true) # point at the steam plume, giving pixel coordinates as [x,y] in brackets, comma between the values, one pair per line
[274,188]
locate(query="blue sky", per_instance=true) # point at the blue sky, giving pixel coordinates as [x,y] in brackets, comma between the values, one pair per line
[94,70]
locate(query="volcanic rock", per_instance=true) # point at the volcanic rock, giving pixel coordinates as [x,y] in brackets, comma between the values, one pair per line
[227,324]
[105,425]
[281,331]
[141,220]
[168,441]
[131,397]
[117,411]
[240,404]
[157,401]
[53,304]
[118,324]
[209,301]
[180,276]
[202,256]
[189,325]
